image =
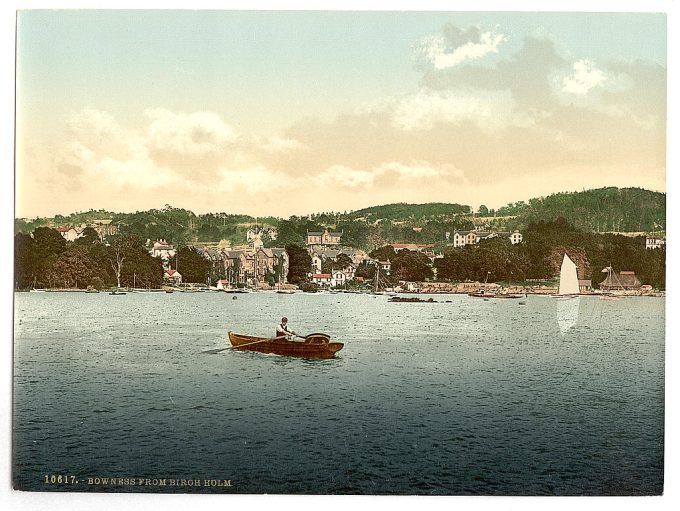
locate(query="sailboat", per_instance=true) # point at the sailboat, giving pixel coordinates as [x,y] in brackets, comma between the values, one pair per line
[568,299]
[568,279]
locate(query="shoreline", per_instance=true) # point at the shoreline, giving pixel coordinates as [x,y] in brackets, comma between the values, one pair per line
[424,291]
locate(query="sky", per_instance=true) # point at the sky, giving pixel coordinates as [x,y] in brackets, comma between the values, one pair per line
[280,113]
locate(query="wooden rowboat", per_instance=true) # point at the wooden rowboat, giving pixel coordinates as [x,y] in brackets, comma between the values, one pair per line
[312,346]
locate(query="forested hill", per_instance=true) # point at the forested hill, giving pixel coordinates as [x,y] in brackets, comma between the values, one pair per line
[404,211]
[599,210]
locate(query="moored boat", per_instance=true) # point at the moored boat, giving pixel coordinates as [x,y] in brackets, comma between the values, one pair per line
[312,346]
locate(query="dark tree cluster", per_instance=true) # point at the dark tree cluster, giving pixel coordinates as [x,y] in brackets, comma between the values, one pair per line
[46,260]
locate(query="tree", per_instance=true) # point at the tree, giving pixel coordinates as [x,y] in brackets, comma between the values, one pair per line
[299,264]
[411,266]
[75,268]
[132,264]
[48,241]
[193,266]
[116,258]
[384,253]
[25,253]
[340,262]
[89,236]
[483,210]
[365,270]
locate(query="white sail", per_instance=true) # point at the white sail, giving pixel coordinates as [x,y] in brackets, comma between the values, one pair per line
[568,278]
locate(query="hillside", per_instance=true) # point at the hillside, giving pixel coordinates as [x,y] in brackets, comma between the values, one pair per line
[402,211]
[600,210]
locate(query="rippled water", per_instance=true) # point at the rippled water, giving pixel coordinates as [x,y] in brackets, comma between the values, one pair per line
[465,397]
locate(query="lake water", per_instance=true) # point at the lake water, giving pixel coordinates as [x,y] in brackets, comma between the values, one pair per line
[466,397]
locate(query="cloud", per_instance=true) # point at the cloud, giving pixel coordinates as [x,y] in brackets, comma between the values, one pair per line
[457,46]
[585,76]
[196,134]
[387,175]
[344,177]
[425,109]
[279,144]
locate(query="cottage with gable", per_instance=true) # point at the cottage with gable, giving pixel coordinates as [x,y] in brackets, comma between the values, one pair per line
[172,276]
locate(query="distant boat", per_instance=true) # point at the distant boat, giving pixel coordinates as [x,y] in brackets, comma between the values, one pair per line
[116,292]
[311,346]
[483,292]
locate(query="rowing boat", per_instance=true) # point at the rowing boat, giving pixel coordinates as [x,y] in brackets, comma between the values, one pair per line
[312,346]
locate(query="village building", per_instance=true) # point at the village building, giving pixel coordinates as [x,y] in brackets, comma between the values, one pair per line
[516,237]
[261,232]
[323,238]
[585,286]
[653,242]
[239,266]
[463,238]
[68,233]
[317,261]
[322,279]
[267,261]
[212,254]
[339,278]
[358,256]
[248,266]
[459,238]
[105,229]
[471,238]
[172,276]
[164,250]
[385,266]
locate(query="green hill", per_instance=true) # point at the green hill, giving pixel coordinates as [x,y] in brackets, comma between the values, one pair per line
[403,211]
[600,210]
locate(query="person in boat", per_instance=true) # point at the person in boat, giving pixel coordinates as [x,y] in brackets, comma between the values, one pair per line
[282,331]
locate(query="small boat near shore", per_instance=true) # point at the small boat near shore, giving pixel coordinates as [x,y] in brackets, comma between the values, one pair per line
[311,346]
[400,299]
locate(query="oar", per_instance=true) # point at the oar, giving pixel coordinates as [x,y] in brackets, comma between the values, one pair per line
[251,343]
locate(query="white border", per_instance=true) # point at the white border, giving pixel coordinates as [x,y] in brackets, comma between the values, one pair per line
[58,501]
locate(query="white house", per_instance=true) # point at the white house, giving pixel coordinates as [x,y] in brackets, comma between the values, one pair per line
[653,242]
[459,238]
[163,249]
[339,278]
[316,263]
[68,233]
[516,237]
[322,279]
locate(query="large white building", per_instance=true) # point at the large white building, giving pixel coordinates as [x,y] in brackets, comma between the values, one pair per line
[653,242]
[462,238]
